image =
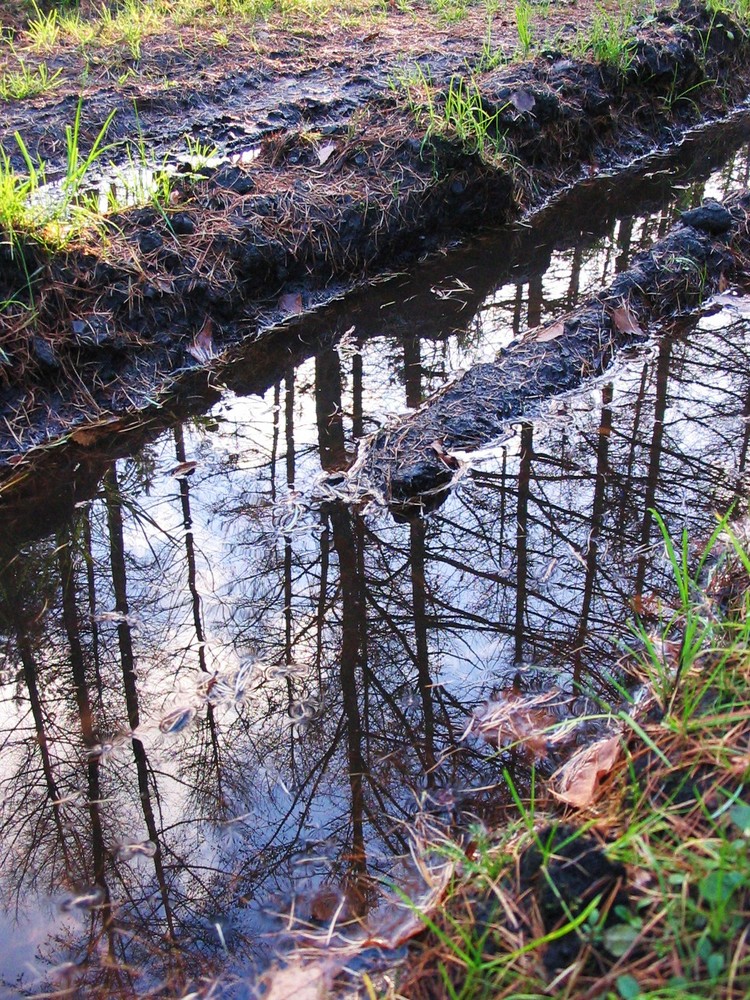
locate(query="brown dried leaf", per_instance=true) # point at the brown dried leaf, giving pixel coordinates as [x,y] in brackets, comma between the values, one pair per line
[202,348]
[529,720]
[183,469]
[325,152]
[91,433]
[522,100]
[299,982]
[649,606]
[290,303]
[625,321]
[577,781]
[394,923]
[551,332]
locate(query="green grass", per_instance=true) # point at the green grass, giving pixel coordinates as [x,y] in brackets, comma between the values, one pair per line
[739,9]
[16,85]
[457,113]
[51,214]
[609,39]
[43,29]
[450,11]
[675,812]
[130,23]
[524,15]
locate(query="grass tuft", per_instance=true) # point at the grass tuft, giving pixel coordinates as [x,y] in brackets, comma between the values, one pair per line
[17,85]
[459,113]
[609,39]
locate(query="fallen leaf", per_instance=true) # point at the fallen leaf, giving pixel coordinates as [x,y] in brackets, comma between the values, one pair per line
[649,606]
[578,780]
[325,152]
[299,982]
[625,321]
[91,433]
[202,348]
[392,925]
[326,905]
[723,282]
[522,100]
[290,303]
[528,720]
[183,469]
[551,332]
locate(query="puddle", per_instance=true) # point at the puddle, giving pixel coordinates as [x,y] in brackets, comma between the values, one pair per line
[225,691]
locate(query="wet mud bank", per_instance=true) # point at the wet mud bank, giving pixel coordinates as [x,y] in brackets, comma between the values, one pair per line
[410,463]
[99,328]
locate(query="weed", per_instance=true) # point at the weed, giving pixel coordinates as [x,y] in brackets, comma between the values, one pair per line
[739,9]
[78,29]
[52,214]
[461,112]
[414,84]
[489,57]
[694,629]
[466,116]
[524,26]
[450,11]
[141,181]
[24,82]
[201,154]
[609,39]
[673,97]
[78,166]
[43,29]
[14,195]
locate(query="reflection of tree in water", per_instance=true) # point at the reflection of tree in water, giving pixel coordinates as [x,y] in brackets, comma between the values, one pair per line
[374,641]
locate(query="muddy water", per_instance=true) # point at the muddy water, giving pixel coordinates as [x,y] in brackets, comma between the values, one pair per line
[226,689]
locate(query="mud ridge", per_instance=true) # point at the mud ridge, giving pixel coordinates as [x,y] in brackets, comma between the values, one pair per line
[411,464]
[97,328]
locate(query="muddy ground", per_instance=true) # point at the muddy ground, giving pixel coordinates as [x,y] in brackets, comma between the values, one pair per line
[258,78]
[342,185]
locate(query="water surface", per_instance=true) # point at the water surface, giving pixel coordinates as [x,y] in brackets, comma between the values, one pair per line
[226,690]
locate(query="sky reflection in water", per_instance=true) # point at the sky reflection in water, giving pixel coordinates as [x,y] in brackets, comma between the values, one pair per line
[222,688]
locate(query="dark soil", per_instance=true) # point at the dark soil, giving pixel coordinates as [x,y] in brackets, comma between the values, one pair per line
[254,242]
[267,77]
[561,873]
